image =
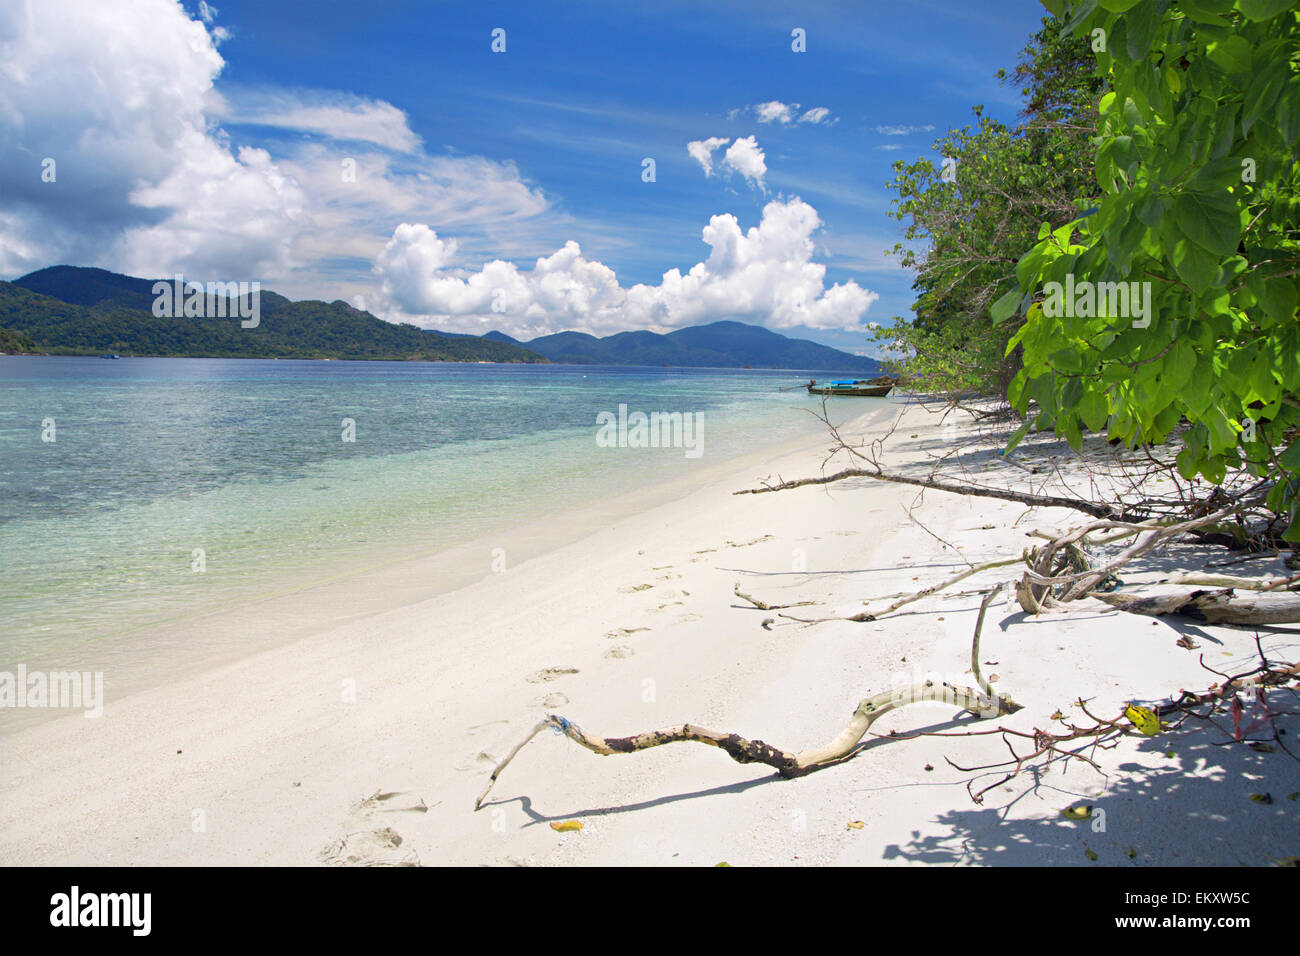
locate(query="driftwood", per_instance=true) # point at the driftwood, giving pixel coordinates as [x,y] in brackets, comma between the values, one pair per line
[980,702]
[1213,607]
[1096,509]
[904,599]
[763,606]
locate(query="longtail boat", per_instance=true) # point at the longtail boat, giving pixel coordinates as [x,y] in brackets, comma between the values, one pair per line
[862,387]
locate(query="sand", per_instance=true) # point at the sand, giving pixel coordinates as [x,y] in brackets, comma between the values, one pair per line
[366,742]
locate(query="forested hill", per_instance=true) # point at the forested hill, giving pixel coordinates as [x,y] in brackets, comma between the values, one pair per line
[75,311]
[723,344]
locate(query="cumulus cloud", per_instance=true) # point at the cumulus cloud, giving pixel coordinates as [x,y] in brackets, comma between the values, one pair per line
[121,100]
[774,111]
[562,290]
[112,95]
[904,130]
[701,151]
[745,157]
[765,275]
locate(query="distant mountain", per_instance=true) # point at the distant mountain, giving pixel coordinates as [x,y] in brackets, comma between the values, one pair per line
[74,310]
[723,344]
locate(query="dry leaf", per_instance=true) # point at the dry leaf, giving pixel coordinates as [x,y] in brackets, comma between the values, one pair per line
[567,826]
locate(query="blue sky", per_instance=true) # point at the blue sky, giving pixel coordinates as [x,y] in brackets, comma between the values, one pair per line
[463,156]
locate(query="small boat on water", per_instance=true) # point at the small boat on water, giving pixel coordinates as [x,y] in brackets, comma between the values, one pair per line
[867,388]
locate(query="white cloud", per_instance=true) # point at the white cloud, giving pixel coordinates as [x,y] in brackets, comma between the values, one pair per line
[904,130]
[775,111]
[747,158]
[114,94]
[121,97]
[335,115]
[765,275]
[701,151]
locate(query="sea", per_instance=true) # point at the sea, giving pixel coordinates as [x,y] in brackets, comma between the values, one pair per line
[139,491]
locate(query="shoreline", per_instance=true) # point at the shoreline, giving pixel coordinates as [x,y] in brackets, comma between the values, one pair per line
[367,744]
[153,653]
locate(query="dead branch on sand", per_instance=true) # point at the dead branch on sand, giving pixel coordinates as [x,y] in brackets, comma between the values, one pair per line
[981,702]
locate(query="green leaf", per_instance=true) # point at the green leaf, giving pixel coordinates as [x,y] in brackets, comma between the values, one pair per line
[1094,410]
[1210,218]
[1118,6]
[1005,307]
[1288,111]
[1205,11]
[1180,363]
[1195,266]
[1018,436]
[1263,9]
[1277,296]
[1232,54]
[1262,93]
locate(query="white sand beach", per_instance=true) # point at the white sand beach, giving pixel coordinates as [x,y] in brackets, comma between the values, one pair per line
[367,740]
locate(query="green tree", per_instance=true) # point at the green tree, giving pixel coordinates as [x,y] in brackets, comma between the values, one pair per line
[1200,205]
[979,211]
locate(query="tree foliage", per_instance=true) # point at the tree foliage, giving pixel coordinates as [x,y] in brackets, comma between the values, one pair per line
[979,211]
[1196,161]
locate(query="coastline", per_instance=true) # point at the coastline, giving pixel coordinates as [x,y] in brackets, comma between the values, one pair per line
[368,742]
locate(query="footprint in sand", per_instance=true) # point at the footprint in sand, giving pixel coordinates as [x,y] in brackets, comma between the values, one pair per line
[369,848]
[624,631]
[548,674]
[687,618]
[620,652]
[366,845]
[635,587]
[476,762]
[549,701]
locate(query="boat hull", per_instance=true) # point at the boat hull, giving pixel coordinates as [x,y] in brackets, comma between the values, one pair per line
[863,391]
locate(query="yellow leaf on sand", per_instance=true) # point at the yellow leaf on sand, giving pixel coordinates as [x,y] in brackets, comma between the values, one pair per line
[716,865]
[856,824]
[567,826]
[1143,718]
[1078,813]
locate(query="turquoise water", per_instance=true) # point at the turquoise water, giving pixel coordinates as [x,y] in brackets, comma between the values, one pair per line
[155,460]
